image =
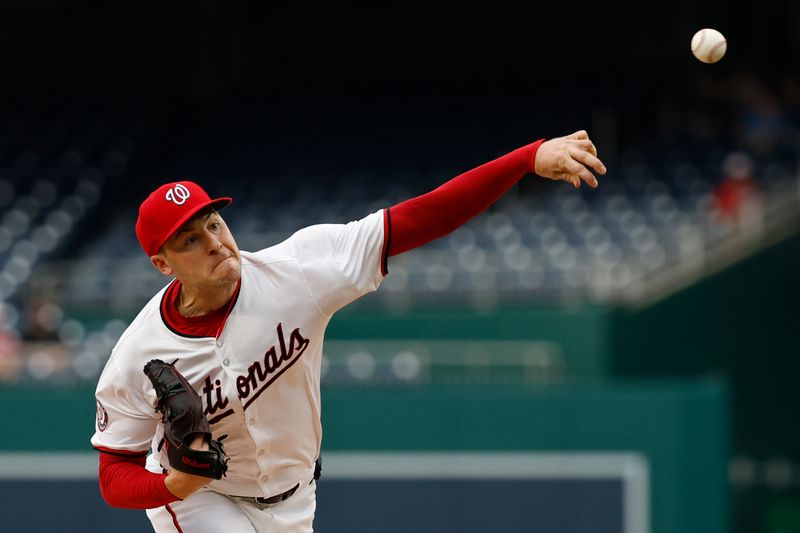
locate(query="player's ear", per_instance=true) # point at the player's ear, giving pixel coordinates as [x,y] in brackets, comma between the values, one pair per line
[160,262]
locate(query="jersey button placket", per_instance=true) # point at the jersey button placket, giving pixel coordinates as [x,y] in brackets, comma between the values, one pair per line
[225,361]
[262,452]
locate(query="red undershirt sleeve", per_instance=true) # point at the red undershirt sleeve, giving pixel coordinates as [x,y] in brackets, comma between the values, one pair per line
[420,220]
[124,482]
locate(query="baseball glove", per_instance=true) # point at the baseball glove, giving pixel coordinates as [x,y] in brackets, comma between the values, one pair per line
[183,417]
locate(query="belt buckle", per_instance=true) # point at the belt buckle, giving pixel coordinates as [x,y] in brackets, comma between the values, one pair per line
[264,502]
[259,502]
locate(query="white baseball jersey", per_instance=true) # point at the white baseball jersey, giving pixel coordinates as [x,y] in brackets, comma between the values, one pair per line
[259,379]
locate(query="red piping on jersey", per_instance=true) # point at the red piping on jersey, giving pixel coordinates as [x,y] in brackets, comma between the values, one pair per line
[174,519]
[420,220]
[120,453]
[387,241]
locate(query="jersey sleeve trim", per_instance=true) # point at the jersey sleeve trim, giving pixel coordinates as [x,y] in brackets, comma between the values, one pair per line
[387,241]
[120,453]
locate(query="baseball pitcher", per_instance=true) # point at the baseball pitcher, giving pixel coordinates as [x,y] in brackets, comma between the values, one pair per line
[208,409]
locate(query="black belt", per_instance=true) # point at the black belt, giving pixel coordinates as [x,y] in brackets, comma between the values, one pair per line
[278,497]
[272,500]
[284,496]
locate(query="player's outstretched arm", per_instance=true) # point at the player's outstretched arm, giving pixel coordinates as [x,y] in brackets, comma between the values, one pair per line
[419,220]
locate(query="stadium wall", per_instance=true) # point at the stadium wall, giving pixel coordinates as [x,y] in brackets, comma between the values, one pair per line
[678,428]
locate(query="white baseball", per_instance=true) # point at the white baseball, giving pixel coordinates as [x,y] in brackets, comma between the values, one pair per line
[709,45]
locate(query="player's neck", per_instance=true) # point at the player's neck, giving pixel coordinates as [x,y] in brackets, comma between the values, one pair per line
[197,301]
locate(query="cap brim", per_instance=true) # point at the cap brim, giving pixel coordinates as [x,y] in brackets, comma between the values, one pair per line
[216,203]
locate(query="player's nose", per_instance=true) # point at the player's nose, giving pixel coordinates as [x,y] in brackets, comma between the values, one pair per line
[213,244]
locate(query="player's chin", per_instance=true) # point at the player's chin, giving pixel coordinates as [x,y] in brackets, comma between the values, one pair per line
[228,270]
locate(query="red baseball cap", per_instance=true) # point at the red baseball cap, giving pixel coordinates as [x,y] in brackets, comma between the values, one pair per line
[167,209]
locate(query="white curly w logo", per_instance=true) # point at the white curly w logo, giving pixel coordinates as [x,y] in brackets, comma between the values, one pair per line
[178,194]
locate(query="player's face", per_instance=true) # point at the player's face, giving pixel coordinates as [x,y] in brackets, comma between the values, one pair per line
[202,253]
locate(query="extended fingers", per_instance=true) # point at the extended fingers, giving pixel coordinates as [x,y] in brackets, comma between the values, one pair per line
[576,172]
[571,158]
[587,158]
[587,145]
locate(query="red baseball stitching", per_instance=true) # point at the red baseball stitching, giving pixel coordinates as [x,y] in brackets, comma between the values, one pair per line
[700,42]
[714,49]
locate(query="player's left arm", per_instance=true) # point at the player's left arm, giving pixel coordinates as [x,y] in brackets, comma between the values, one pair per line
[342,262]
[420,220]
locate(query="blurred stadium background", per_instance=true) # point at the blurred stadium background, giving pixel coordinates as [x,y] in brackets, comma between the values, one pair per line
[640,335]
